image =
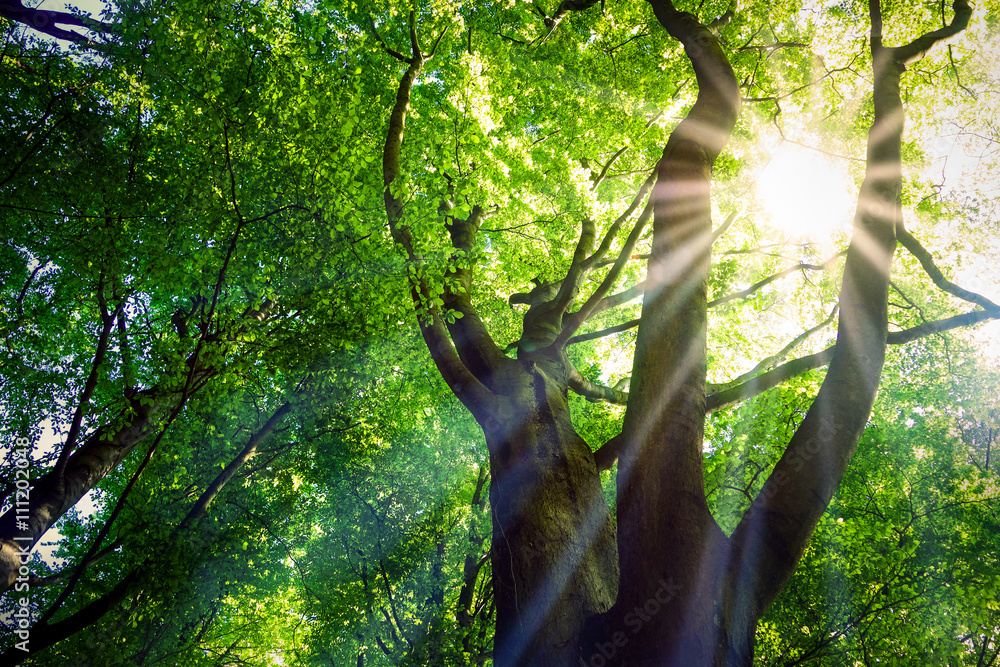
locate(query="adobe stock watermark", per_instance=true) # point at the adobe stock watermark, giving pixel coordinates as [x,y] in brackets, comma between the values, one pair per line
[24,538]
[634,621]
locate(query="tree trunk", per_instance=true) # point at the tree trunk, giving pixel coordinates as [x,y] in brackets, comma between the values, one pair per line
[186,535]
[50,497]
[54,492]
[554,558]
[672,552]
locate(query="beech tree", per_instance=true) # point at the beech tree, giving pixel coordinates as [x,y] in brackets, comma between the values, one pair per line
[529,187]
[566,582]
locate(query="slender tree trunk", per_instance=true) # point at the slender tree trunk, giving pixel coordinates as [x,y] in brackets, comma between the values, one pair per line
[773,534]
[61,487]
[52,494]
[188,538]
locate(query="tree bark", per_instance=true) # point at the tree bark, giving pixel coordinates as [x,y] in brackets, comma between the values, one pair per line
[772,535]
[45,634]
[51,495]
[553,557]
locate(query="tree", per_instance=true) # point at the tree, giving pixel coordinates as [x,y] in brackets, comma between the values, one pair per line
[655,580]
[545,488]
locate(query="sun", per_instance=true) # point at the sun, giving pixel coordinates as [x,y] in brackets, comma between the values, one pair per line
[804,194]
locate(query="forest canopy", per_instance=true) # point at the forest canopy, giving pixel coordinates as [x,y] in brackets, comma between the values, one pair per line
[514,333]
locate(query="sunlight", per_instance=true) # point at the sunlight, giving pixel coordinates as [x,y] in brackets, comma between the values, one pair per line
[804,194]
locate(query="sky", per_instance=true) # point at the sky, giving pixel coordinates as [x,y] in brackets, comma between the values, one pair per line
[93,7]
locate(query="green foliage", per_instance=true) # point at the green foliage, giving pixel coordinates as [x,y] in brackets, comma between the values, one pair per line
[211,185]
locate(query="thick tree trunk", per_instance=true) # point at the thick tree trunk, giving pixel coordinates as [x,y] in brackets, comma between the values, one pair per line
[667,537]
[554,558]
[672,551]
[677,591]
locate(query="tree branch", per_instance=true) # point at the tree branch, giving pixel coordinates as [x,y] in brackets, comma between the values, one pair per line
[724,227]
[47,22]
[606,455]
[440,36]
[476,348]
[940,326]
[414,38]
[609,237]
[721,22]
[604,171]
[469,390]
[579,317]
[767,362]
[875,16]
[731,394]
[637,290]
[577,268]
[392,604]
[592,391]
[618,328]
[919,47]
[200,508]
[750,388]
[777,276]
[392,52]
[473,394]
[107,323]
[926,260]
[564,7]
[764,381]
[618,299]
[66,573]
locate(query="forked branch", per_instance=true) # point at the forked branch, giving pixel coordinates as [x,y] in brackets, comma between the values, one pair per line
[463,382]
[477,349]
[579,317]
[612,232]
